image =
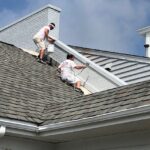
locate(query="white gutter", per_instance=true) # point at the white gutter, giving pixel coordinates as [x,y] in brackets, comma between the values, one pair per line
[114,118]
[122,116]
[2,131]
[114,79]
[21,125]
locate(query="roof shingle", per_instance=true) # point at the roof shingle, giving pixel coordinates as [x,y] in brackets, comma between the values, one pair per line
[118,99]
[27,87]
[32,92]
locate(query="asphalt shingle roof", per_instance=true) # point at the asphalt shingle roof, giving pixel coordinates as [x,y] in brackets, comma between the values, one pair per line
[117,99]
[32,92]
[27,87]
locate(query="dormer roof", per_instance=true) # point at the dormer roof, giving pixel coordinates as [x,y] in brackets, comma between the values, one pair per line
[129,68]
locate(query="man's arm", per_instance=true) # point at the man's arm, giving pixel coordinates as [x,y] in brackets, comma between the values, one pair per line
[50,40]
[74,65]
[80,66]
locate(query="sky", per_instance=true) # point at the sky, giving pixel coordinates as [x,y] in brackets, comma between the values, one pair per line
[109,25]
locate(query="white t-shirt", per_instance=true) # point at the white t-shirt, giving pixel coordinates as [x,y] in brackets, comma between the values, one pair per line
[67,67]
[41,33]
[67,71]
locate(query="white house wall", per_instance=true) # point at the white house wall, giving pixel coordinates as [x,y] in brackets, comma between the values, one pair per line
[20,33]
[13,143]
[124,141]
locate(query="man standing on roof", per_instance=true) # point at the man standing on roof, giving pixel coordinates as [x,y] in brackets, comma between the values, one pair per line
[67,74]
[40,37]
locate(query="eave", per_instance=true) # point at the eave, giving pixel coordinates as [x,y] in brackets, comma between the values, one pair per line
[60,131]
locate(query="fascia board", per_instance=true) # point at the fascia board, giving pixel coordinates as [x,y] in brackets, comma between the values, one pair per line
[112,78]
[143,31]
[52,7]
[31,14]
[114,118]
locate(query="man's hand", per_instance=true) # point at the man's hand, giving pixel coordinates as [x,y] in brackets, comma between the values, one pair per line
[51,40]
[84,66]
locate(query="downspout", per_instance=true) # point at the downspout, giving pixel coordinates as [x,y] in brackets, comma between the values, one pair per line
[2,131]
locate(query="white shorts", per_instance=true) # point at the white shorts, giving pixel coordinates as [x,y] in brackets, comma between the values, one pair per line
[40,43]
[70,79]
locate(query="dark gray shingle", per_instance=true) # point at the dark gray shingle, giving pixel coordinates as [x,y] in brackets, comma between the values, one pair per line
[27,87]
[32,92]
[117,99]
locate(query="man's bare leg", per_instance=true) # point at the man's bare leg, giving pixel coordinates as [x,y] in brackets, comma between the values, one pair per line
[41,53]
[78,84]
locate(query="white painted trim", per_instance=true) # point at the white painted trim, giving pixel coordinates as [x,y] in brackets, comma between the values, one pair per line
[114,79]
[22,125]
[29,15]
[30,52]
[143,31]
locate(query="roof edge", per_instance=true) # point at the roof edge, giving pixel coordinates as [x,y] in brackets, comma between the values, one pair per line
[21,125]
[112,54]
[114,118]
[33,13]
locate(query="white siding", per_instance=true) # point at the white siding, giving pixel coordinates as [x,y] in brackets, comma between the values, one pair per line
[21,32]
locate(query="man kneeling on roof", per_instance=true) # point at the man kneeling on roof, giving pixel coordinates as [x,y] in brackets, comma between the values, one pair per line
[67,74]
